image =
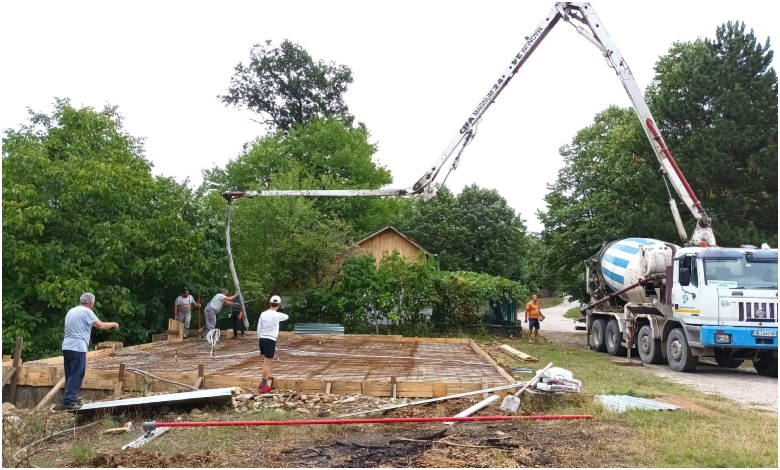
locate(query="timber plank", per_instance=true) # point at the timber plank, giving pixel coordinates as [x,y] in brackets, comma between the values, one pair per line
[51,394]
[483,354]
[518,354]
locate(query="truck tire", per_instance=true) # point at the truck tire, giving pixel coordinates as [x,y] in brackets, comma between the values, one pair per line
[766,366]
[613,339]
[648,347]
[679,354]
[725,361]
[597,335]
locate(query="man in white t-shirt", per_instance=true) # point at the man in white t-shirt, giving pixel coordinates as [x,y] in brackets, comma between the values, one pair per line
[213,308]
[268,331]
[182,310]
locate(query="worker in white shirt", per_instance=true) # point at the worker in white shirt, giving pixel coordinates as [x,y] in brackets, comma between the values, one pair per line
[268,331]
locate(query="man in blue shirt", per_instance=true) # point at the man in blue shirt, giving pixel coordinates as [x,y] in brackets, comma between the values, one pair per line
[78,328]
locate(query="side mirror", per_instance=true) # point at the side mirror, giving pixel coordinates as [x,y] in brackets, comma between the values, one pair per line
[685,275]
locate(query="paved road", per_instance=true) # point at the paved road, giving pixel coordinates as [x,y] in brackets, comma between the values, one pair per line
[553,318]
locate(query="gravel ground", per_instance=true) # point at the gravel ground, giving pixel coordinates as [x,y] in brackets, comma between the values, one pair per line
[742,385]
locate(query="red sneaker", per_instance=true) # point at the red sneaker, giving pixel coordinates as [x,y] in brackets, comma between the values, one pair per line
[266,389]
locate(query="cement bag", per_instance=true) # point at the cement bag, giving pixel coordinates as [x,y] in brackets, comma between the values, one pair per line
[562,381]
[557,388]
[562,373]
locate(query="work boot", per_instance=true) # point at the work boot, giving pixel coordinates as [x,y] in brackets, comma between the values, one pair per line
[266,389]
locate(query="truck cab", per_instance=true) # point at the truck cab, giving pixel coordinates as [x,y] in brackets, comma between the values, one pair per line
[731,294]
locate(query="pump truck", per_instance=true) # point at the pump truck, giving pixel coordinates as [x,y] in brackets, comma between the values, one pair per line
[667,301]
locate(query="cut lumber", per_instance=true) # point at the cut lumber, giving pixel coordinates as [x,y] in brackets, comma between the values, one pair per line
[51,394]
[17,363]
[518,354]
[9,375]
[473,409]
[120,381]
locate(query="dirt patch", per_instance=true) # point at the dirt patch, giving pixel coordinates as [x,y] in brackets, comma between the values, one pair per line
[472,445]
[139,458]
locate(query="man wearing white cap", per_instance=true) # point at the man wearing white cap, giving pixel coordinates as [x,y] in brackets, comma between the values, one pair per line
[268,331]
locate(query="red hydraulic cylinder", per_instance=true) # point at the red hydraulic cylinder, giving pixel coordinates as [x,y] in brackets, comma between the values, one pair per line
[150,426]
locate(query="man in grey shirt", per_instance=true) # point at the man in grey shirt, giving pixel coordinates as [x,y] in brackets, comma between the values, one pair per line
[78,328]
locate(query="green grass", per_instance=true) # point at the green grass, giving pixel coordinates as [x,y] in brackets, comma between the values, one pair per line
[729,436]
[573,313]
[551,302]
[80,451]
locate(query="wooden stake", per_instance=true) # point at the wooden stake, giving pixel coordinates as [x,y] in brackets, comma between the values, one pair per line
[484,386]
[120,381]
[201,377]
[17,363]
[393,387]
[327,388]
[9,375]
[51,394]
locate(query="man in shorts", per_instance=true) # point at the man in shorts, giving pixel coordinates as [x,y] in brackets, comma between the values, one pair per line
[182,310]
[268,331]
[533,314]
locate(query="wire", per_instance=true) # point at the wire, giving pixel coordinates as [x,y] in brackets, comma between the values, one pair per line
[310,353]
[142,373]
[212,337]
[50,436]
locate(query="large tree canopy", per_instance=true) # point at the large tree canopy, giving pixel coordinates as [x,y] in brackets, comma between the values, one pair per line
[287,87]
[716,105]
[716,102]
[83,213]
[475,231]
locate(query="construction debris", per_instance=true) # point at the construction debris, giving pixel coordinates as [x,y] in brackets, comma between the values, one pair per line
[125,429]
[200,397]
[433,400]
[473,409]
[517,354]
[621,403]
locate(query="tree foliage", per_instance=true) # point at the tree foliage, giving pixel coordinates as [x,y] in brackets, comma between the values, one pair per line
[83,213]
[716,105]
[717,102]
[474,231]
[287,87]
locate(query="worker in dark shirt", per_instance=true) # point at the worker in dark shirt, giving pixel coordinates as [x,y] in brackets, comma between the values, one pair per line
[238,318]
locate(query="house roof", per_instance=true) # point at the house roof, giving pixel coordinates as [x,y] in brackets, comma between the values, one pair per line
[390,227]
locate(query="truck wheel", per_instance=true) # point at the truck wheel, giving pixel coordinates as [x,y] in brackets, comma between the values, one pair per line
[613,338]
[724,360]
[681,359]
[597,335]
[649,348]
[766,366]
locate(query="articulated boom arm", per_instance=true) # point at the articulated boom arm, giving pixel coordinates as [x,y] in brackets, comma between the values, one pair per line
[584,19]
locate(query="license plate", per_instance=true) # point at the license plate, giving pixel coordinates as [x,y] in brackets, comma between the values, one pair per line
[770,333]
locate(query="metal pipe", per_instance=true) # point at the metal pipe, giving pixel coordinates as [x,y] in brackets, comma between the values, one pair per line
[152,425]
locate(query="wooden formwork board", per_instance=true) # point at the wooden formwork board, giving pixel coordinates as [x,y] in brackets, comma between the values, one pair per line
[340,364]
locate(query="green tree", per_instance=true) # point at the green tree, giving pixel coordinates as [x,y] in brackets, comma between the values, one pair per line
[475,231]
[323,154]
[83,213]
[716,101]
[716,105]
[286,86]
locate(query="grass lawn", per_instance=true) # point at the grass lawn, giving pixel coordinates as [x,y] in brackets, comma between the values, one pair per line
[573,313]
[728,435]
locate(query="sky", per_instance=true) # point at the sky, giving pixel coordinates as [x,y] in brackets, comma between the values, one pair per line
[419,69]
